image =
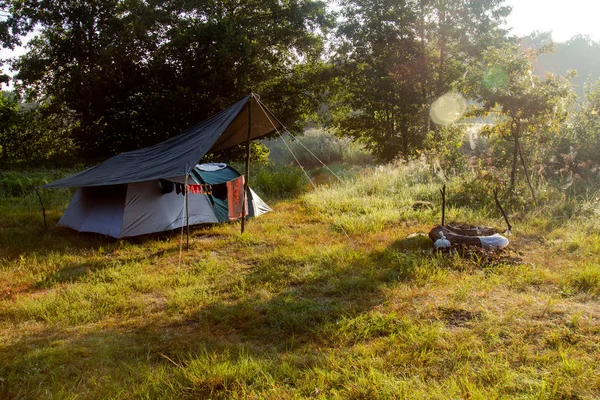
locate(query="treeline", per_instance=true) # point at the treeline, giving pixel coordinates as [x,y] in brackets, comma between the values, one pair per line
[580,53]
[107,76]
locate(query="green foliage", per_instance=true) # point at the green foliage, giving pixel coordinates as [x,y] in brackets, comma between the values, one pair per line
[443,148]
[14,184]
[135,73]
[328,148]
[504,78]
[37,134]
[571,160]
[259,154]
[18,188]
[533,108]
[395,59]
[278,181]
[9,114]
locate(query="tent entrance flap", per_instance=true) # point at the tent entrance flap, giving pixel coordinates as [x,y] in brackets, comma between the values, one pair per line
[97,210]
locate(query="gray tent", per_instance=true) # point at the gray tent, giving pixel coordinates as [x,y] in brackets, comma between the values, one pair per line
[122,196]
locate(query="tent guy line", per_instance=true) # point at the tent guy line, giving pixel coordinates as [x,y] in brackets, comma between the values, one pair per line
[285,130]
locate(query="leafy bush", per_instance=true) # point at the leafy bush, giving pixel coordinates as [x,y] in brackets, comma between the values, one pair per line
[476,190]
[443,148]
[20,186]
[570,161]
[327,147]
[277,181]
[259,154]
[33,134]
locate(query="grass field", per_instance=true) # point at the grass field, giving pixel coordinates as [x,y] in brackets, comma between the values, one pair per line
[331,296]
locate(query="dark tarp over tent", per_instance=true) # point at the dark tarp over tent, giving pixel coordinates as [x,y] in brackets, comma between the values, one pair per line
[179,155]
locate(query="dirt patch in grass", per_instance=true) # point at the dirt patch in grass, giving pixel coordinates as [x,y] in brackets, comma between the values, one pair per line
[456,317]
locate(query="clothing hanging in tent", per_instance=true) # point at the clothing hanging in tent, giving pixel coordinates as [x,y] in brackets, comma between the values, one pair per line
[195,189]
[235,198]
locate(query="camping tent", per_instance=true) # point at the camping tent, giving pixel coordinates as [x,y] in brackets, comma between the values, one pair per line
[133,209]
[118,197]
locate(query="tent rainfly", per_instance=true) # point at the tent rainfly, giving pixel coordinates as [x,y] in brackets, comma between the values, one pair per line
[126,195]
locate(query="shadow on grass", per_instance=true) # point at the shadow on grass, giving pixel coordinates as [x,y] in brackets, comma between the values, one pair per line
[71,273]
[347,284]
[27,240]
[341,285]
[417,242]
[30,238]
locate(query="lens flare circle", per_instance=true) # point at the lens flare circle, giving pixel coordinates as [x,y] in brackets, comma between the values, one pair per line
[448,109]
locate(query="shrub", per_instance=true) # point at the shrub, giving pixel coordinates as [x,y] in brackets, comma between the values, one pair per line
[277,181]
[259,154]
[443,148]
[327,147]
[30,134]
[20,185]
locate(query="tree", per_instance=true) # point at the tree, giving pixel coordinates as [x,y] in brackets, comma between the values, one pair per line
[397,57]
[33,133]
[377,98]
[532,107]
[573,159]
[8,121]
[133,72]
[454,33]
[12,26]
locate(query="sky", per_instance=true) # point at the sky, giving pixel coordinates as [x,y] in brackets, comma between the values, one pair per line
[564,18]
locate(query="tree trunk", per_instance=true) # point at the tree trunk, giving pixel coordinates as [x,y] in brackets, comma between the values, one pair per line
[513,173]
[425,70]
[525,170]
[442,46]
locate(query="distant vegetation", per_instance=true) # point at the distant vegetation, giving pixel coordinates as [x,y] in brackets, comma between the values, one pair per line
[105,77]
[316,146]
[580,54]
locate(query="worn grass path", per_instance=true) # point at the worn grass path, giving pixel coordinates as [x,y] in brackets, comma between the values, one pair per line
[326,297]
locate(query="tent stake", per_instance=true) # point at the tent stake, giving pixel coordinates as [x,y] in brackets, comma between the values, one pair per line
[37,190]
[247,174]
[187,212]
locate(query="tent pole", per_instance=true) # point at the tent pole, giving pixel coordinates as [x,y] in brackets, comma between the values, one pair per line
[247,174]
[37,190]
[187,212]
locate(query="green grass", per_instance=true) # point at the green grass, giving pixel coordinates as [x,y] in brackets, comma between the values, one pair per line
[331,296]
